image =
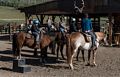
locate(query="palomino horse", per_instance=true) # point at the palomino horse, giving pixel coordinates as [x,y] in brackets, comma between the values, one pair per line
[20,39]
[77,40]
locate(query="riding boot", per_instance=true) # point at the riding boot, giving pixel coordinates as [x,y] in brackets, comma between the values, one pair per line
[94,47]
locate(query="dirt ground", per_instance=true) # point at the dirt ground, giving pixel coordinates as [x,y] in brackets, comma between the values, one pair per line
[107,59]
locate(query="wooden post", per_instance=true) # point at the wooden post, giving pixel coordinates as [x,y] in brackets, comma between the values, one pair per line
[53,18]
[10,33]
[41,17]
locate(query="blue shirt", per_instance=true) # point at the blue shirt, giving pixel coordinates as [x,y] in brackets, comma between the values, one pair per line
[86,24]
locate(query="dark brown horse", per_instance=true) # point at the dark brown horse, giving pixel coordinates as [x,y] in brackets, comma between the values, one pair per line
[21,39]
[60,41]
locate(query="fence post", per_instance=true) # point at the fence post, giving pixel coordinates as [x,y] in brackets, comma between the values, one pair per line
[10,34]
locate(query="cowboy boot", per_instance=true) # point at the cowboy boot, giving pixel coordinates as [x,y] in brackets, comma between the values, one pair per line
[94,47]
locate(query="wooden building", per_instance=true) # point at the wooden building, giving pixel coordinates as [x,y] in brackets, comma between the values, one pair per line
[96,9]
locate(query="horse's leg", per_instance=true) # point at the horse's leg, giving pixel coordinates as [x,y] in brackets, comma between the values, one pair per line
[94,54]
[61,50]
[73,51]
[89,54]
[35,52]
[44,54]
[53,48]
[58,47]
[78,52]
[18,53]
[105,40]
[83,55]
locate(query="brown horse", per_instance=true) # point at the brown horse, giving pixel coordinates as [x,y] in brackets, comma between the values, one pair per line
[60,40]
[21,39]
[77,40]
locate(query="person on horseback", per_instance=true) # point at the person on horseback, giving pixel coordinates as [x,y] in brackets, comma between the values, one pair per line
[36,32]
[87,28]
[29,25]
[49,23]
[62,26]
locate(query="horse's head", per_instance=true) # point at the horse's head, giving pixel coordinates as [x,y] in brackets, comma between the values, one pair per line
[102,38]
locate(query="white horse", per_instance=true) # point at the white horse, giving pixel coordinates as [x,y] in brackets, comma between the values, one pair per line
[77,40]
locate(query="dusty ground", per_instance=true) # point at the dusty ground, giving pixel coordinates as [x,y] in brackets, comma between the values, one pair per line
[107,59]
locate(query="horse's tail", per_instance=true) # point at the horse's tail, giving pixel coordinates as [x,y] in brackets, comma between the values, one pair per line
[68,48]
[14,44]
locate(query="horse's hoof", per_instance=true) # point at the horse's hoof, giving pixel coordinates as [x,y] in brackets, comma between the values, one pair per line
[71,67]
[94,65]
[88,64]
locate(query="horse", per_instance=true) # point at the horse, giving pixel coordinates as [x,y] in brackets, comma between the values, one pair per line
[60,41]
[21,39]
[77,40]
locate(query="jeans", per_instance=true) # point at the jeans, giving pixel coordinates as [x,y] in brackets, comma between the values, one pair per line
[62,30]
[49,28]
[36,35]
[93,38]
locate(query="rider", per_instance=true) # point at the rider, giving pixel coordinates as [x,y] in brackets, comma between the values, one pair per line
[87,28]
[62,26]
[35,31]
[49,23]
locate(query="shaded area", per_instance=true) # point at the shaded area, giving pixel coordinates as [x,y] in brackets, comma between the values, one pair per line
[6,52]
[5,37]
[6,58]
[7,69]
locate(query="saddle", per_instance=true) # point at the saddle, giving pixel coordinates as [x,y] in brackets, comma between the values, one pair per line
[87,37]
[29,35]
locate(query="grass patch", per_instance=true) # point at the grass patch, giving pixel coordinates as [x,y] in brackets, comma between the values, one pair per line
[10,14]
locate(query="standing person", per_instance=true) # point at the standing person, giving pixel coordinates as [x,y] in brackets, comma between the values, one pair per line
[73,27]
[49,23]
[87,28]
[36,32]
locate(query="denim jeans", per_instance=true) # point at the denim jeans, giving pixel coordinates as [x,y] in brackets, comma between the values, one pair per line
[93,38]
[36,35]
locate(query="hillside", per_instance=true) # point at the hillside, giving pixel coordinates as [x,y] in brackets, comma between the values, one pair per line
[10,13]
